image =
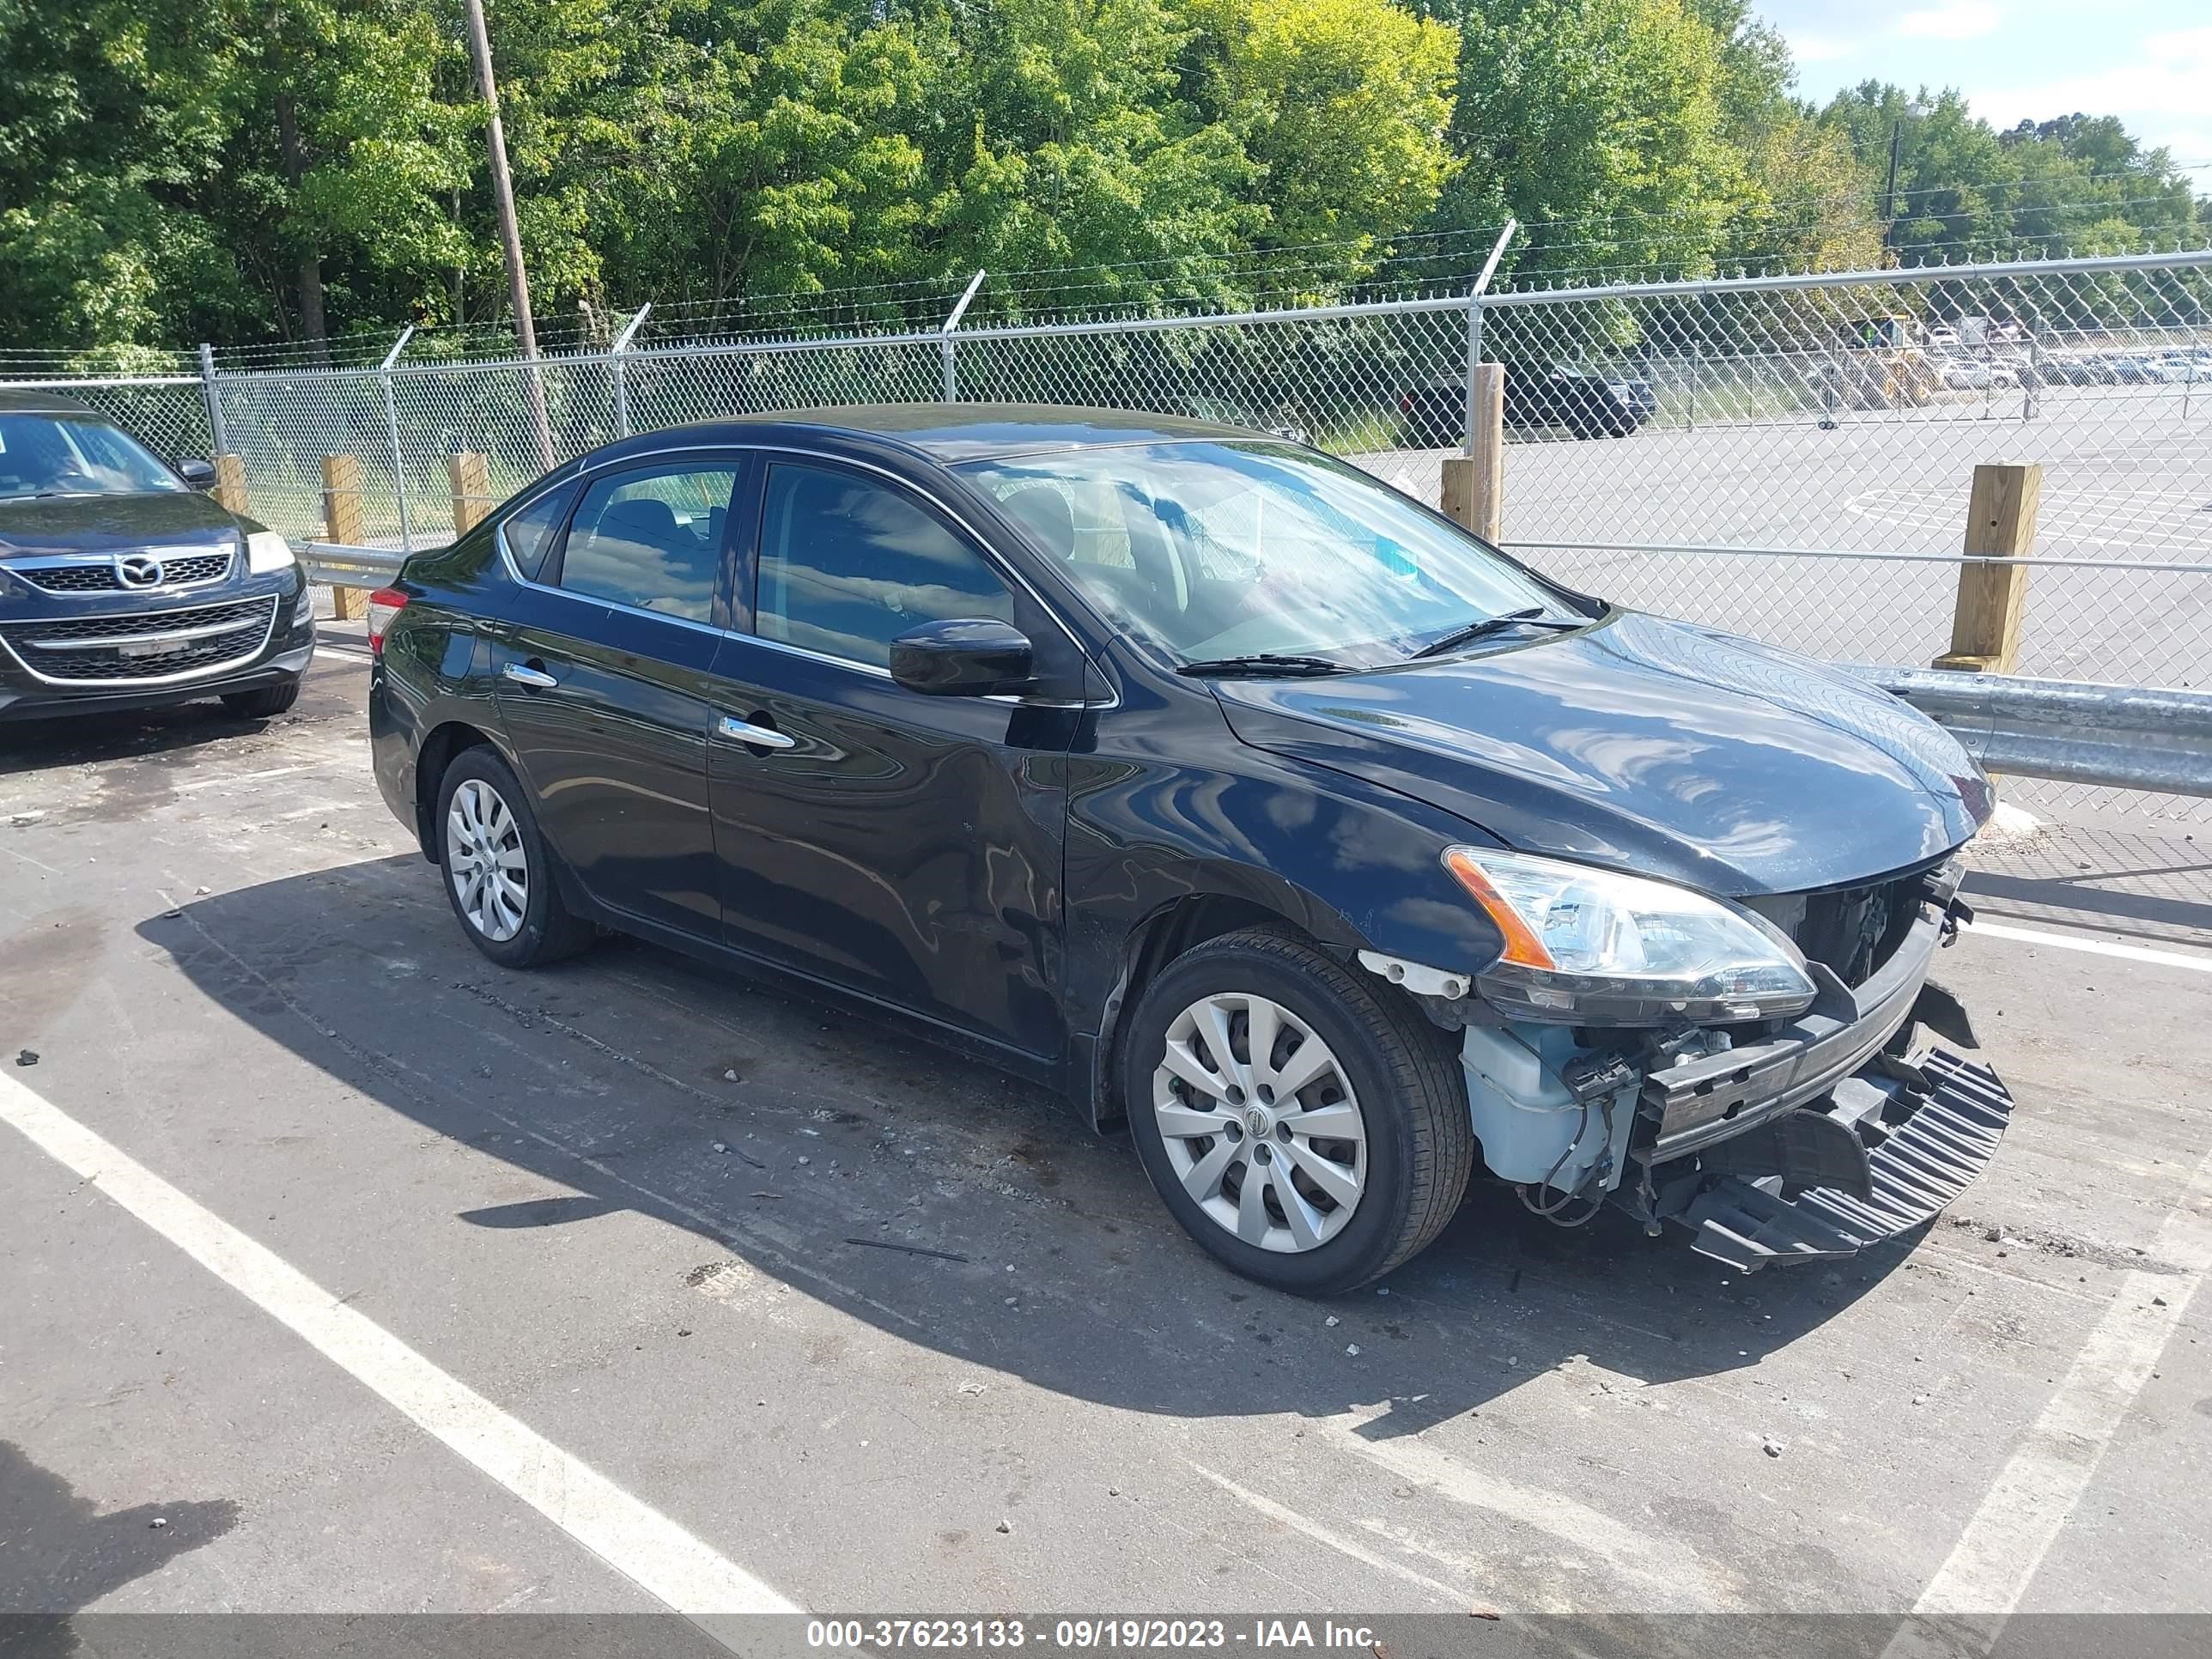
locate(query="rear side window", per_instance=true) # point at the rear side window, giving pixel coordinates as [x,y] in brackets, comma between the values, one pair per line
[652,539]
[848,565]
[529,533]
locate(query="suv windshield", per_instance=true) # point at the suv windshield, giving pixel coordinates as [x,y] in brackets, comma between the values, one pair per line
[44,455]
[1216,549]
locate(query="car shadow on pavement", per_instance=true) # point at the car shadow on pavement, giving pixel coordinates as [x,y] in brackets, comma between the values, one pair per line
[58,1554]
[90,739]
[949,1205]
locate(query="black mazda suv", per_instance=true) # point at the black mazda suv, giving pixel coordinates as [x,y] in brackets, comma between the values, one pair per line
[122,585]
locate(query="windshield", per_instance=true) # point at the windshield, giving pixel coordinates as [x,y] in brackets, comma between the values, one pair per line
[43,455]
[1220,550]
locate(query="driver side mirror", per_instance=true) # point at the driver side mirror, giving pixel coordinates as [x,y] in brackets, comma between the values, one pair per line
[199,474]
[965,657]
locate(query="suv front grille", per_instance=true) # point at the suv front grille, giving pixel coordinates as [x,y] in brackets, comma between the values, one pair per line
[186,571]
[144,647]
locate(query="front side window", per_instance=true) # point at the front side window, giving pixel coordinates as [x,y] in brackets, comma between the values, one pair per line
[1230,549]
[848,565]
[49,456]
[652,539]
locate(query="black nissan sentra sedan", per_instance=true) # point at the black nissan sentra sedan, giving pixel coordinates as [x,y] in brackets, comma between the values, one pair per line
[121,586]
[1233,792]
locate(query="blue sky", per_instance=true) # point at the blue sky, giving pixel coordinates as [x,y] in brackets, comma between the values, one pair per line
[2148,61]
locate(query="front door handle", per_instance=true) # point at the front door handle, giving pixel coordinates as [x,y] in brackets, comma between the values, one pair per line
[523,674]
[744,732]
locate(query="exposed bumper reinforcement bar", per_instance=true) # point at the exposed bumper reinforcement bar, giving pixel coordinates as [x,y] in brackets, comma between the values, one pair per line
[1919,1167]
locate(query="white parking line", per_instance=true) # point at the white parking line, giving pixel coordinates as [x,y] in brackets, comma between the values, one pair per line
[1996,1559]
[1669,1571]
[629,1535]
[1335,1541]
[2096,947]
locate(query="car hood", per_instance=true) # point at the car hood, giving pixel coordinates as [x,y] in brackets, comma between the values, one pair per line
[1646,745]
[114,523]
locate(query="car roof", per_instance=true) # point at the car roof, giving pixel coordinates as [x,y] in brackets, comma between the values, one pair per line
[36,401]
[949,433]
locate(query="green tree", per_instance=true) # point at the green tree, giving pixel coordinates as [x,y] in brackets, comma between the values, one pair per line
[1600,124]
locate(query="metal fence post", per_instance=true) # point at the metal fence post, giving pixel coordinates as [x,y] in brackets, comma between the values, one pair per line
[616,354]
[1475,322]
[392,430]
[944,342]
[1986,616]
[213,397]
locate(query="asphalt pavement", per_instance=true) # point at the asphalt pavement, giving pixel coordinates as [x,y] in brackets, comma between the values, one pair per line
[388,1282]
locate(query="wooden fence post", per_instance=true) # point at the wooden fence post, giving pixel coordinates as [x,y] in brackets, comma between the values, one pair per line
[229,490]
[342,524]
[471,477]
[1475,484]
[1986,615]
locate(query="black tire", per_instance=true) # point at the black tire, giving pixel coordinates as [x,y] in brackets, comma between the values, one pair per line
[547,930]
[1420,1143]
[263,703]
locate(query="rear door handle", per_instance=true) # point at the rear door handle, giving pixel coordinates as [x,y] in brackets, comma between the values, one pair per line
[523,674]
[744,732]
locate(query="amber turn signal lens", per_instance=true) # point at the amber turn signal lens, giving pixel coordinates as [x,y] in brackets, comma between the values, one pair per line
[1521,945]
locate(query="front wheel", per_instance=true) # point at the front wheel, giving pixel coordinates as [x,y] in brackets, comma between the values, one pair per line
[1309,1130]
[498,875]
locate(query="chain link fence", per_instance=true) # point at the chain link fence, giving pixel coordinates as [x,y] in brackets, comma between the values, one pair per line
[1784,456]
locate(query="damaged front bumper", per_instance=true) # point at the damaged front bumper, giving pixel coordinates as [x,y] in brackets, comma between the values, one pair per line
[1827,1135]
[1825,1138]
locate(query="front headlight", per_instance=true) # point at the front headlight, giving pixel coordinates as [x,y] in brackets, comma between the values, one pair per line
[267,552]
[1594,947]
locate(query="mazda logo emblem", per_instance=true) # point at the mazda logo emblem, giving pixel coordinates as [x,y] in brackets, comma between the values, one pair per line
[138,571]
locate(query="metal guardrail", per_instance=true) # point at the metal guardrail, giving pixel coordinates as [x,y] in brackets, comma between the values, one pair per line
[2115,737]
[335,565]
[2118,737]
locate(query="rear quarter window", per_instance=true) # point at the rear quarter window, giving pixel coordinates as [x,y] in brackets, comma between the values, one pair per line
[529,532]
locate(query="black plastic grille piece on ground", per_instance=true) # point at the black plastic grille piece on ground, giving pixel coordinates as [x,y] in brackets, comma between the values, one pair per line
[1920,1167]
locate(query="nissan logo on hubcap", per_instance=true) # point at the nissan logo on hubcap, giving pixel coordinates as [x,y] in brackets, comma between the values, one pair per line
[138,571]
[1256,1122]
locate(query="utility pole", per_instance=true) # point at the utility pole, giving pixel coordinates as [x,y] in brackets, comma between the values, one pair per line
[1888,194]
[510,234]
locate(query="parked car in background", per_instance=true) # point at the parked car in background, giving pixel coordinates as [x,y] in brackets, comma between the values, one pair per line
[1588,403]
[2136,368]
[123,587]
[1238,796]
[2078,370]
[1279,424]
[1977,373]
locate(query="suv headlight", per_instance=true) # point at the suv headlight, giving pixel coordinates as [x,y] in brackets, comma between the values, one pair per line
[266,551]
[1593,947]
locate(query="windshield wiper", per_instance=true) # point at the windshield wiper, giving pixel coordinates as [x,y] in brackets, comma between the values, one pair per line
[1263,662]
[1533,617]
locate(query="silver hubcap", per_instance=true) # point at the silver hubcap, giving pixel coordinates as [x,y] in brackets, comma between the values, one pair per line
[485,861]
[1260,1122]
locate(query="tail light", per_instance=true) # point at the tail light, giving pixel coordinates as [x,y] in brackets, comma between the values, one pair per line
[383,605]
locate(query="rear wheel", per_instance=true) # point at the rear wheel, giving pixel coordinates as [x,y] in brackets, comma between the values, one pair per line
[263,702]
[499,877]
[1311,1131]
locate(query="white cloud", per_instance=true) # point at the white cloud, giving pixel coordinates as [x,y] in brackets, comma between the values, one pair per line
[1962,20]
[1820,48]
[2165,77]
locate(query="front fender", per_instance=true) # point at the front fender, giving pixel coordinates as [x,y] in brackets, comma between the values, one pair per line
[1355,866]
